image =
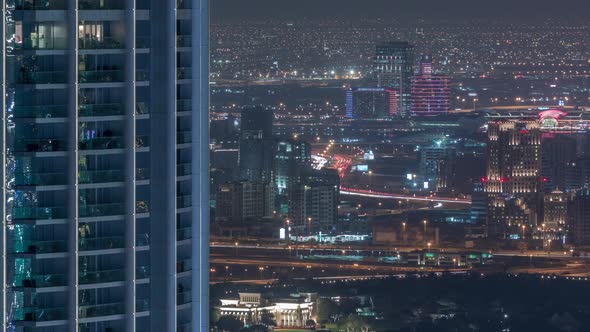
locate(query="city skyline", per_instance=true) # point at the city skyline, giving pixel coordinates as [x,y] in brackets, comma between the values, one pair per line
[400,166]
[405,9]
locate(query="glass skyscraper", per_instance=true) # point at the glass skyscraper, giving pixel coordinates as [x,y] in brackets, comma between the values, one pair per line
[105,165]
[393,67]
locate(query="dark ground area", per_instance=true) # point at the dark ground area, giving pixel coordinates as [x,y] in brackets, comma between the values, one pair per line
[472,302]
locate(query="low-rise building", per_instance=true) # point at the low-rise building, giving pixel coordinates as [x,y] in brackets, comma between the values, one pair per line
[251,308]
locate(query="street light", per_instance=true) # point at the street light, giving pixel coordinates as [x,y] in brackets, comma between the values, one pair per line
[429,244]
[425,222]
[404,231]
[236,245]
[523,228]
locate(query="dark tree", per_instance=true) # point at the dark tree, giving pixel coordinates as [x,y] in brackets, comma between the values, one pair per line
[267,318]
[229,324]
[326,310]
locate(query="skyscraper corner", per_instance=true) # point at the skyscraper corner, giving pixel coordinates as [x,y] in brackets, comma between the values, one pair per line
[105,177]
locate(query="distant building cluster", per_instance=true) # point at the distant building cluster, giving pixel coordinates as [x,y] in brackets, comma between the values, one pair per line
[274,180]
[537,183]
[398,90]
[527,172]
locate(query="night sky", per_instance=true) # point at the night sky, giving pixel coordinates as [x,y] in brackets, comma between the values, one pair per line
[446,9]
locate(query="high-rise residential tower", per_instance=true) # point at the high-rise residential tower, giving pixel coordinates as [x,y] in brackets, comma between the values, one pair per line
[437,165]
[555,213]
[256,122]
[292,163]
[105,165]
[431,93]
[257,145]
[393,66]
[579,218]
[513,182]
[560,162]
[313,203]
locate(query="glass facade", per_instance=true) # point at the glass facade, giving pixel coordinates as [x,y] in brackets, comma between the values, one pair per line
[105,168]
[394,67]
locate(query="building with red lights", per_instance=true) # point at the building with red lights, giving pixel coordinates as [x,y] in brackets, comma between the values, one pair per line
[552,121]
[538,174]
[514,181]
[430,93]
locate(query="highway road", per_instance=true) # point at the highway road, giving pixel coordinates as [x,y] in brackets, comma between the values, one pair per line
[515,108]
[342,163]
[348,266]
[246,263]
[338,248]
[327,280]
[384,195]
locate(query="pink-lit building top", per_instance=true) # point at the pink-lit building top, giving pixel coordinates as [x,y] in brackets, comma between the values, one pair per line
[430,93]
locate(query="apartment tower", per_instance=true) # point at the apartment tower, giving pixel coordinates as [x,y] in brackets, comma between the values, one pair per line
[105,165]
